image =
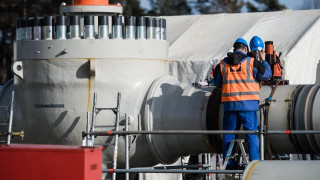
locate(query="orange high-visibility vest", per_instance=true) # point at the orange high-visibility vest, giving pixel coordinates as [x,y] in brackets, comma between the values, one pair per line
[238,82]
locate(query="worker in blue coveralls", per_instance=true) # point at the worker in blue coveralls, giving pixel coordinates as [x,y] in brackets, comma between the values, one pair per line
[237,75]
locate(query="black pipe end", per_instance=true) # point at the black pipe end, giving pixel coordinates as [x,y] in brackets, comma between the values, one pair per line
[74,20]
[37,21]
[116,20]
[163,23]
[103,20]
[88,20]
[47,21]
[141,21]
[157,22]
[130,21]
[61,21]
[23,22]
[150,21]
[18,23]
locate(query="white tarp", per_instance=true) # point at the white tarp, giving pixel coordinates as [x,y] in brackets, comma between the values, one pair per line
[198,41]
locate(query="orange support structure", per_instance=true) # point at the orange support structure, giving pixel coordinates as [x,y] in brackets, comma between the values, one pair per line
[91,2]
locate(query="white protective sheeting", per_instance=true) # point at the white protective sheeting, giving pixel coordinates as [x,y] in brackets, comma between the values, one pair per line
[198,41]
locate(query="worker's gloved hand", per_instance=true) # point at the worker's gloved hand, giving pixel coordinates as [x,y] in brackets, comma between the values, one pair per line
[262,55]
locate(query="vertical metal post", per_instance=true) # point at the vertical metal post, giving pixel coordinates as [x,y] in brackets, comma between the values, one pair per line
[199,159]
[88,129]
[93,115]
[206,163]
[127,146]
[115,153]
[261,134]
[10,120]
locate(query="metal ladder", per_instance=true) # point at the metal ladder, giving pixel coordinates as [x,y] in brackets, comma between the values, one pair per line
[89,139]
[9,133]
[243,152]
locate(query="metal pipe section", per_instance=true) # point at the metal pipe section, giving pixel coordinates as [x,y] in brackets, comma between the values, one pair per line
[74,27]
[10,119]
[141,28]
[127,145]
[130,27]
[150,21]
[29,22]
[169,132]
[103,27]
[18,29]
[61,27]
[172,171]
[294,108]
[293,170]
[88,27]
[174,106]
[37,33]
[163,29]
[117,27]
[47,28]
[23,28]
[157,29]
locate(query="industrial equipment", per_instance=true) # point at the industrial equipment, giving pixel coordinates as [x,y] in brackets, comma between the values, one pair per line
[56,78]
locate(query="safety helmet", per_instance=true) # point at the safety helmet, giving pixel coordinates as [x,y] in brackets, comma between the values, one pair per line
[242,41]
[255,43]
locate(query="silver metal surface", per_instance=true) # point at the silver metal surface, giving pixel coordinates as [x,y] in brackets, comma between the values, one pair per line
[175,171]
[293,170]
[74,32]
[47,32]
[103,32]
[91,9]
[262,135]
[278,116]
[23,33]
[61,32]
[117,32]
[28,33]
[89,31]
[127,146]
[141,32]
[130,32]
[10,119]
[150,33]
[163,34]
[17,34]
[88,143]
[116,138]
[180,105]
[89,49]
[157,33]
[37,33]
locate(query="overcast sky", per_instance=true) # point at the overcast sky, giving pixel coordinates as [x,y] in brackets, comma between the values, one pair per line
[291,4]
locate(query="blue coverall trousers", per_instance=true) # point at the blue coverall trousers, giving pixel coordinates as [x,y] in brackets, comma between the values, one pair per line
[232,120]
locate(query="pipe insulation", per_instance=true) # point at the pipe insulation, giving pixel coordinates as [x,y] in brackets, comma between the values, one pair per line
[293,170]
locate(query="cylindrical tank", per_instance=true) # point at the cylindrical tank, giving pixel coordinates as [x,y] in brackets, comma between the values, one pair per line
[293,170]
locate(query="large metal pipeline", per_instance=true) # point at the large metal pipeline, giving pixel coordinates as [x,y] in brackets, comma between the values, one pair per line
[293,170]
[54,94]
